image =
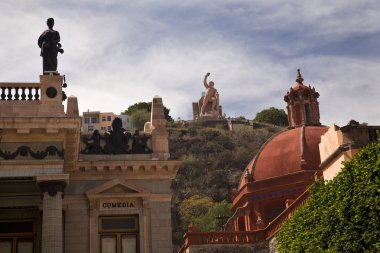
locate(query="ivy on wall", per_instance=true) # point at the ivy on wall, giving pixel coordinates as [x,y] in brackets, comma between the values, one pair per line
[341,215]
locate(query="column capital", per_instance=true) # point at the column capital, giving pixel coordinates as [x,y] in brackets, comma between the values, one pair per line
[52,186]
[52,183]
[52,177]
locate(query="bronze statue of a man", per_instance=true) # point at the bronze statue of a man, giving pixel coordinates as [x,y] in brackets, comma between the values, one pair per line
[50,46]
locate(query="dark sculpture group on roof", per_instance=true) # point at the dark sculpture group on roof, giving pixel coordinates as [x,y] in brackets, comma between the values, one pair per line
[117,141]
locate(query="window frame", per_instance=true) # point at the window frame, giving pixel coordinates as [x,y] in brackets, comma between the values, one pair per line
[119,233]
[16,237]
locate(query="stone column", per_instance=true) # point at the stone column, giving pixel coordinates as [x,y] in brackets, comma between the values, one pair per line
[160,141]
[52,229]
[91,225]
[147,226]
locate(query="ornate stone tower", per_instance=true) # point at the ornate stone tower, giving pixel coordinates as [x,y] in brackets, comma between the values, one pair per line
[303,106]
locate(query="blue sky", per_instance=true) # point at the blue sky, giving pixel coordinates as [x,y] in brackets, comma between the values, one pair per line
[118,53]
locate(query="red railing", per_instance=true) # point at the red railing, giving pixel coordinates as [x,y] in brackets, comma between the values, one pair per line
[194,237]
[222,237]
[226,237]
[276,224]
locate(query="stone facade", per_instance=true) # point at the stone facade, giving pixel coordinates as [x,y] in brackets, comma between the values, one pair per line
[340,144]
[55,199]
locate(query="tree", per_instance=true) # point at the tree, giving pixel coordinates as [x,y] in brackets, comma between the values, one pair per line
[146,106]
[273,116]
[138,118]
[210,221]
[341,215]
[194,207]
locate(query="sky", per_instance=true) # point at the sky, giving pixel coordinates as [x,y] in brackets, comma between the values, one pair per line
[119,52]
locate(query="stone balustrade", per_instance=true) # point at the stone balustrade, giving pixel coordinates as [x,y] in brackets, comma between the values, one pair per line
[42,99]
[20,91]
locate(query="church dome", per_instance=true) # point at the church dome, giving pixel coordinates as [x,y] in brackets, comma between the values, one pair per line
[288,152]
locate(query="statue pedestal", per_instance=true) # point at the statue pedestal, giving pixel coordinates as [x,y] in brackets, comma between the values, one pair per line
[209,112]
[210,115]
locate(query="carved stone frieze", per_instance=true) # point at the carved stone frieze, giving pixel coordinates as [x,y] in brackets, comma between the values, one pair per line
[25,151]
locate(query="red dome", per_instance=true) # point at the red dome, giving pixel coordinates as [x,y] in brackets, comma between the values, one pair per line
[288,152]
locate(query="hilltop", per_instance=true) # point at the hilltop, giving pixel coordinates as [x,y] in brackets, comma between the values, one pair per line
[213,159]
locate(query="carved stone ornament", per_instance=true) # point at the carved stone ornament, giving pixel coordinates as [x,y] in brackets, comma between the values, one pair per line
[51,92]
[25,150]
[52,187]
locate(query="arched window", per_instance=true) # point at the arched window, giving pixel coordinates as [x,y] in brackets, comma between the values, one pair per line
[308,114]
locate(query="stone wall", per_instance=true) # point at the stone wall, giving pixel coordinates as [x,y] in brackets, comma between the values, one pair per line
[161,226]
[262,247]
[76,227]
[273,245]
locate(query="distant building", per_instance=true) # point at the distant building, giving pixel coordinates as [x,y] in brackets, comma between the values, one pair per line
[126,119]
[102,121]
[340,144]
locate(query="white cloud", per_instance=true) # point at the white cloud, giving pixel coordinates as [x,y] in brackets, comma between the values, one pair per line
[118,53]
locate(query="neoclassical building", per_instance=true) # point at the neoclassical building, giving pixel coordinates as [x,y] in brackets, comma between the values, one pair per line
[61,192]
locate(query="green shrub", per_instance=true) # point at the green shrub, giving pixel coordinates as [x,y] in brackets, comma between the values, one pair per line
[341,215]
[209,221]
[192,130]
[194,207]
[210,133]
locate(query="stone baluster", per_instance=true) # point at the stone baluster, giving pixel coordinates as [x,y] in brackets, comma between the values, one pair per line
[17,96]
[23,95]
[36,96]
[30,95]
[3,96]
[9,93]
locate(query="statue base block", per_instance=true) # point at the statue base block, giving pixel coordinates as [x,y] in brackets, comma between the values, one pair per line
[212,122]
